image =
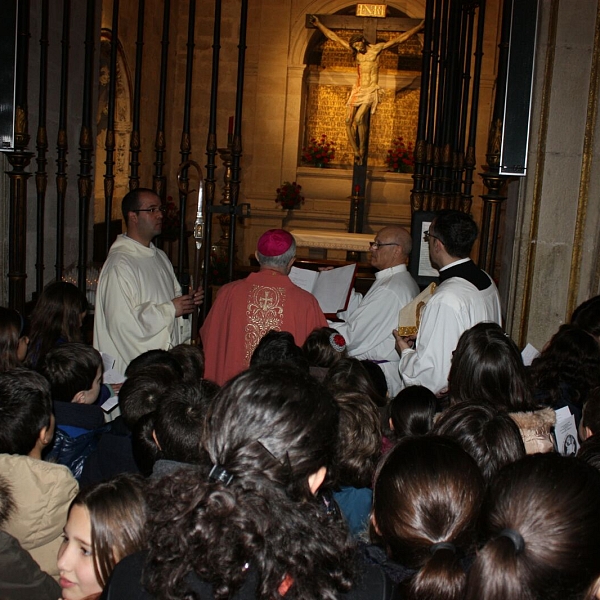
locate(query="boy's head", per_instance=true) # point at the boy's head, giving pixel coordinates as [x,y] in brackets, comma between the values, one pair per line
[25,412]
[179,420]
[74,372]
[141,391]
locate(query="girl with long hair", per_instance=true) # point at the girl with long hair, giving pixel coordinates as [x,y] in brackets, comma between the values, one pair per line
[105,523]
[56,319]
[13,342]
[426,502]
[541,521]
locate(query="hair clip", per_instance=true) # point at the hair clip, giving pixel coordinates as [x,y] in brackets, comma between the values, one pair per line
[515,537]
[337,341]
[442,546]
[218,473]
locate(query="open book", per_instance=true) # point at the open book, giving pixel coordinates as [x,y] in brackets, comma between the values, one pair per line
[330,288]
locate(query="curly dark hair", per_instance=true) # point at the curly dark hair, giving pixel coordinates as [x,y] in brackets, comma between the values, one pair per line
[572,358]
[271,429]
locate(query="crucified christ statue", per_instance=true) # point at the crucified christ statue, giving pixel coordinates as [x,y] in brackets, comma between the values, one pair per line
[366,91]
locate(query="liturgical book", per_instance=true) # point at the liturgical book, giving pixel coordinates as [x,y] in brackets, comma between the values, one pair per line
[331,288]
[409,318]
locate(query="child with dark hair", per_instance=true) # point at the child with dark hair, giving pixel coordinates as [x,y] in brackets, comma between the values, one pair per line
[350,374]
[487,368]
[324,347]
[191,359]
[138,397]
[106,523]
[567,370]
[20,576]
[179,421]
[412,411]
[13,340]
[491,437]
[358,450]
[278,347]
[74,372]
[56,319]
[426,501]
[41,490]
[541,520]
[589,451]
[249,525]
[171,436]
[153,358]
[587,316]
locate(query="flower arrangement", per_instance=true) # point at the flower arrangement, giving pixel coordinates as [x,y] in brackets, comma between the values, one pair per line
[319,152]
[288,195]
[400,157]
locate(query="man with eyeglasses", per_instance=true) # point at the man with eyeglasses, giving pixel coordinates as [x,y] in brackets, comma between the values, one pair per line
[139,303]
[465,296]
[369,321]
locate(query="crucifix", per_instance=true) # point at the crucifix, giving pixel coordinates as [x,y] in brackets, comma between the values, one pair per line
[365,93]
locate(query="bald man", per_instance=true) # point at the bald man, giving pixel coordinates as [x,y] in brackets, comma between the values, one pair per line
[369,321]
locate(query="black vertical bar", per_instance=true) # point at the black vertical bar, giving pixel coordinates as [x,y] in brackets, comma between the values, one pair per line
[86,144]
[159,180]
[109,146]
[134,144]
[470,152]
[62,143]
[19,160]
[41,175]
[416,198]
[211,152]
[237,134]
[185,146]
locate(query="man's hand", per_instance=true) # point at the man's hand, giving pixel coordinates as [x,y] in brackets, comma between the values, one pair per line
[404,342]
[198,296]
[186,304]
[314,20]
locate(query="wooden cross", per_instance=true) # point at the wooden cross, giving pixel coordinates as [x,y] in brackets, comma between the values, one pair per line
[369,26]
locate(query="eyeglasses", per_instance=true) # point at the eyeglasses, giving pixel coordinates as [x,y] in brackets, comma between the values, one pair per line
[162,209]
[375,245]
[427,235]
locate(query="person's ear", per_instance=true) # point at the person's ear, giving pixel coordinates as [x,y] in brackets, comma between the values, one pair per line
[79,398]
[289,265]
[155,439]
[316,479]
[374,523]
[45,436]
[391,423]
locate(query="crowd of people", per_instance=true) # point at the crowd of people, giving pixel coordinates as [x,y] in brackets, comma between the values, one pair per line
[301,474]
